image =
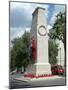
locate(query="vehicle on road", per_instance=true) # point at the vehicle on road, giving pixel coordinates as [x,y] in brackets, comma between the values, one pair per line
[57,70]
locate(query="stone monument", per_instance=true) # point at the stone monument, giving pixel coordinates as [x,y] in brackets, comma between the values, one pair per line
[39,33]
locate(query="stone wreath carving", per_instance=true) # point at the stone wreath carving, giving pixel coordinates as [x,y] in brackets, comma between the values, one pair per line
[42,30]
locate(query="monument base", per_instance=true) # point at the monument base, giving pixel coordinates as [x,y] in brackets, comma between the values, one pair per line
[39,69]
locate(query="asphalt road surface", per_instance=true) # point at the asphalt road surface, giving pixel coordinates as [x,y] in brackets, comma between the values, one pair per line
[14,84]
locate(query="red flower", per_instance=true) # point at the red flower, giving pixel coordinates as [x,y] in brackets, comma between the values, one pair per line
[33,47]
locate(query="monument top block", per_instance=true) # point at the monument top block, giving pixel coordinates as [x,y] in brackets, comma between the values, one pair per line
[36,10]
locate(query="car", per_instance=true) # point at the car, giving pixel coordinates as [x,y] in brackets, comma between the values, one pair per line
[57,70]
[60,70]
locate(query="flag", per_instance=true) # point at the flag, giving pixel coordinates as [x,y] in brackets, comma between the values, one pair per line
[33,48]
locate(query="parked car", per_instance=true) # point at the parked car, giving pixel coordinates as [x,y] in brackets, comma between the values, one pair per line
[57,70]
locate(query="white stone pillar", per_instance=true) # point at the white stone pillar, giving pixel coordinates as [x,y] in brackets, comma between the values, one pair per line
[39,32]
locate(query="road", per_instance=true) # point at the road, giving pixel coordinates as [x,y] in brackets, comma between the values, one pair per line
[42,83]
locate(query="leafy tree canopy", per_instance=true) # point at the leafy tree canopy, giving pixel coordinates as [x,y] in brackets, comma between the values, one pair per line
[59,28]
[53,52]
[20,52]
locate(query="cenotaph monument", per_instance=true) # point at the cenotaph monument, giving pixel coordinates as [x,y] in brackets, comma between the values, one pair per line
[40,36]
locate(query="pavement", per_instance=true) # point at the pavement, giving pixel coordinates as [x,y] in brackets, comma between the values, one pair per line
[18,81]
[38,79]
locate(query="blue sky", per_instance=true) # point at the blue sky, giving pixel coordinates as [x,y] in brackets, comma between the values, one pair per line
[21,16]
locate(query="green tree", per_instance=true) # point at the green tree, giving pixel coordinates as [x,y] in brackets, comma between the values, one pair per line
[53,52]
[59,28]
[12,59]
[26,43]
[20,55]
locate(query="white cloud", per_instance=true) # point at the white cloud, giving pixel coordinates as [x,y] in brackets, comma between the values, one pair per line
[17,32]
[27,29]
[48,28]
[23,11]
[19,5]
[57,9]
[27,6]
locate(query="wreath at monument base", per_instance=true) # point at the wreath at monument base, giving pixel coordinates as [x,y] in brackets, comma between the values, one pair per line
[38,76]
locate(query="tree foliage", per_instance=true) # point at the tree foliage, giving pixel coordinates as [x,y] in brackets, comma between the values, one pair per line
[53,52]
[59,28]
[20,52]
[12,59]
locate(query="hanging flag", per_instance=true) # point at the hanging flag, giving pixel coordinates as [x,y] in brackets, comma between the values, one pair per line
[33,48]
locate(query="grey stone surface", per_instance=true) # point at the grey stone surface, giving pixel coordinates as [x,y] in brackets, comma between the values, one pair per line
[39,32]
